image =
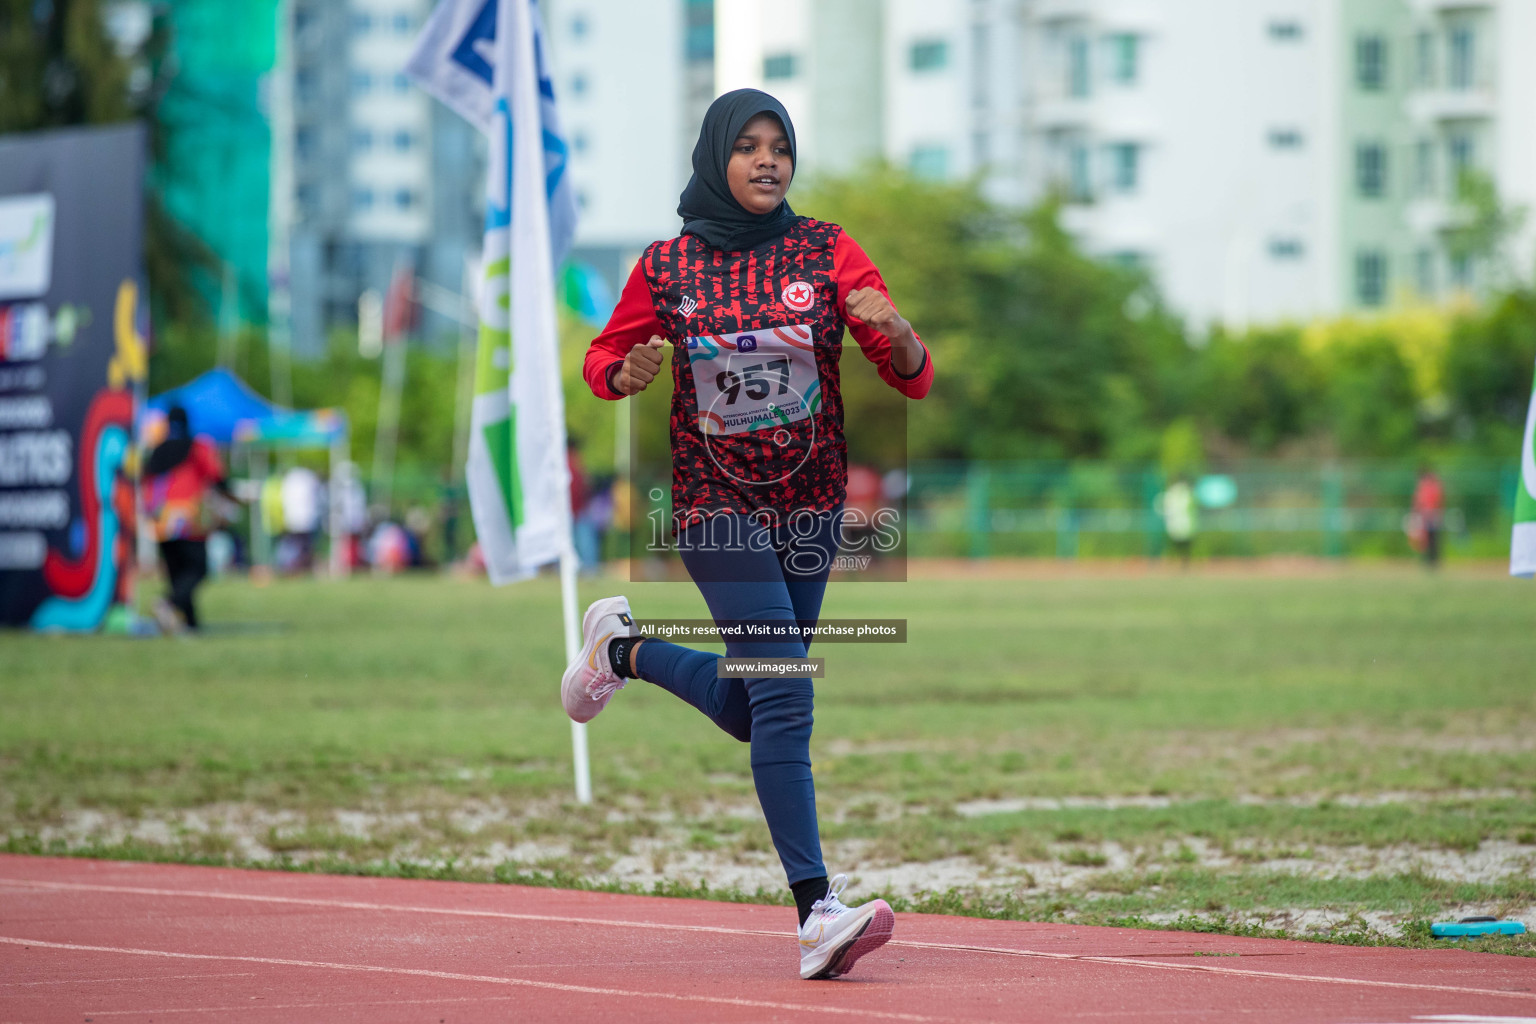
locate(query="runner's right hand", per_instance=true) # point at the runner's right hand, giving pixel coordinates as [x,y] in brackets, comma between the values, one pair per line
[640,367]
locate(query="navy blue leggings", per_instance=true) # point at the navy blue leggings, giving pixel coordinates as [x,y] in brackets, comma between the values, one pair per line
[747,571]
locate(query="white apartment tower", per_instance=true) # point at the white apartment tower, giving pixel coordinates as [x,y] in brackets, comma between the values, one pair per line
[633,78]
[1263,159]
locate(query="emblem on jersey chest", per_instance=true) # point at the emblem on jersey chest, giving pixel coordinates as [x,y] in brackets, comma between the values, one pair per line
[798,296]
[686,305]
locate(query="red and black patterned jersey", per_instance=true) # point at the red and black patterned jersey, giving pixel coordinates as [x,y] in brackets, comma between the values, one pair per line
[757,413]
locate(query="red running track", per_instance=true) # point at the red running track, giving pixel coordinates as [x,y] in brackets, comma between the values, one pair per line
[118,942]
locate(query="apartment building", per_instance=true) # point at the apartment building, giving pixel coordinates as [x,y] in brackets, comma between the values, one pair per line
[633,79]
[1264,160]
[1464,71]
[369,173]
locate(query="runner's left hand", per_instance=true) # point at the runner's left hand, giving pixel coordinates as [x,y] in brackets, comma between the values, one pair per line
[867,305]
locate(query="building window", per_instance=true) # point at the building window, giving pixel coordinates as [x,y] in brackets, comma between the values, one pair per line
[1285,31]
[1371,63]
[578,84]
[362,199]
[1424,167]
[1462,149]
[362,81]
[699,40]
[1461,271]
[779,66]
[929,55]
[579,26]
[1424,58]
[1286,249]
[1079,173]
[1124,166]
[1128,259]
[1424,272]
[1077,67]
[1284,138]
[404,141]
[981,148]
[404,23]
[304,143]
[405,199]
[304,85]
[1461,67]
[579,142]
[362,21]
[931,162]
[401,83]
[1124,58]
[981,65]
[1371,169]
[362,140]
[1371,277]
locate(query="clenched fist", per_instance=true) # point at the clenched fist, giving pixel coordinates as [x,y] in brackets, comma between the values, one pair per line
[640,367]
[868,306]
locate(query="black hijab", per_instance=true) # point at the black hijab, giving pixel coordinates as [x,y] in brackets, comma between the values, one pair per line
[173,451]
[707,207]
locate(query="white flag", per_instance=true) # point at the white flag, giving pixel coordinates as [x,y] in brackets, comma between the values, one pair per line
[485,59]
[1522,545]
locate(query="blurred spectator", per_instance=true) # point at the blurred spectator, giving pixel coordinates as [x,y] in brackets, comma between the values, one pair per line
[301,515]
[271,506]
[418,527]
[578,478]
[1177,507]
[353,511]
[389,547]
[1427,519]
[177,478]
[864,492]
[591,523]
[450,513]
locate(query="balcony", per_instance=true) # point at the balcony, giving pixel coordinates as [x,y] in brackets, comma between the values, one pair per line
[1452,104]
[1430,216]
[1062,112]
[1063,10]
[1449,6]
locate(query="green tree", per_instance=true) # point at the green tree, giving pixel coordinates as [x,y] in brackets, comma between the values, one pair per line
[1372,408]
[58,67]
[1488,364]
[1259,389]
[1040,350]
[1487,227]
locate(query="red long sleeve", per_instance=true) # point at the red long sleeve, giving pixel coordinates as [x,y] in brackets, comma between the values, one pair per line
[854,270]
[633,323]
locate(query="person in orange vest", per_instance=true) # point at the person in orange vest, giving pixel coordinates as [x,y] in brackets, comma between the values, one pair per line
[1428,515]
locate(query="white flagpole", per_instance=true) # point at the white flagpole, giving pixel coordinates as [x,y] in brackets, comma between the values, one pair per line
[534,217]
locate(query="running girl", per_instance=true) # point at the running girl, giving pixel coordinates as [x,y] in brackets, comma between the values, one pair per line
[754,300]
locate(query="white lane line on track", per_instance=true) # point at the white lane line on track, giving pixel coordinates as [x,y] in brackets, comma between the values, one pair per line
[302,1006]
[714,929]
[137,977]
[489,979]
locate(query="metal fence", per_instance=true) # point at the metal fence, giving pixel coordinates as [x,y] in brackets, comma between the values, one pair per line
[1089,509]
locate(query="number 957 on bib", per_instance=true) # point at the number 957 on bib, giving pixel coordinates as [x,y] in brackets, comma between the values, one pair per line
[754,380]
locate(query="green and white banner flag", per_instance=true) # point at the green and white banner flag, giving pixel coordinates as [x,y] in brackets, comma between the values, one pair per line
[1522,546]
[485,58]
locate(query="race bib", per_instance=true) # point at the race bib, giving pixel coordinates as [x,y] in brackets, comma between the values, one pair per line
[754,380]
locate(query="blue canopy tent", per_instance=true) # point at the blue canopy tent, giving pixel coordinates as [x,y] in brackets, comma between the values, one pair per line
[223,408]
[215,402]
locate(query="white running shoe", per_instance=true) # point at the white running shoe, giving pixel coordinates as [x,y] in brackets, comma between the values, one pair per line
[834,936]
[590,680]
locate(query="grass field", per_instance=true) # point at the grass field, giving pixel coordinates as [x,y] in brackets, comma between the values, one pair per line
[1343,753]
